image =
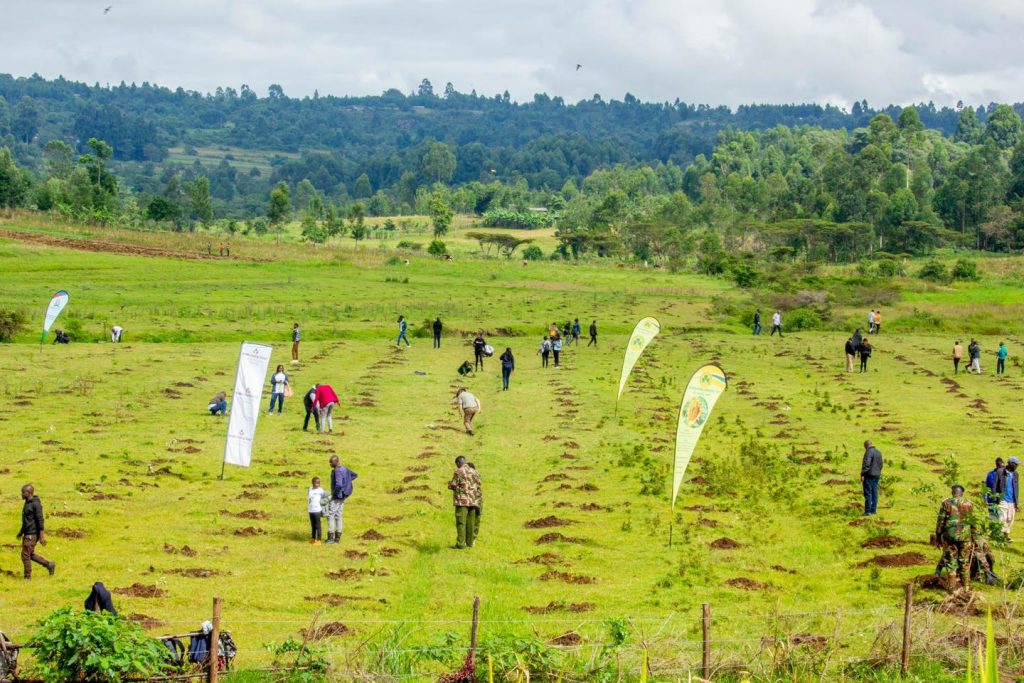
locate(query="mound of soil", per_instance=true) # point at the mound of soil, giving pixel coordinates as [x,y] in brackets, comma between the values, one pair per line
[710,523]
[292,473]
[544,559]
[356,555]
[743,583]
[68,533]
[559,606]
[552,575]
[593,507]
[246,514]
[139,590]
[836,482]
[405,489]
[60,513]
[389,552]
[183,550]
[50,442]
[343,574]
[410,477]
[196,572]
[556,477]
[418,468]
[549,438]
[556,537]
[256,485]
[144,621]
[251,495]
[335,600]
[250,531]
[910,559]
[548,522]
[780,568]
[587,487]
[372,535]
[328,630]
[104,496]
[883,542]
[172,393]
[567,639]
[571,445]
[725,544]
[391,520]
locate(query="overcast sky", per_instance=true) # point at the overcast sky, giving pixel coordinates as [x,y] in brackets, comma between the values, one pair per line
[706,51]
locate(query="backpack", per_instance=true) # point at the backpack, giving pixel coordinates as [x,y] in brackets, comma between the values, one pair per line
[199,648]
[177,650]
[228,649]
[8,660]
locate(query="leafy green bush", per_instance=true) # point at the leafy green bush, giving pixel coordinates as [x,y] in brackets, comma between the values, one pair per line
[965,269]
[437,248]
[393,261]
[934,271]
[307,661]
[73,645]
[509,218]
[803,319]
[533,253]
[411,246]
[11,323]
[890,268]
[745,275]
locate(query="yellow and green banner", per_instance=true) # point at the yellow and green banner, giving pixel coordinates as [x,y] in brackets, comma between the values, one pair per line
[702,392]
[645,330]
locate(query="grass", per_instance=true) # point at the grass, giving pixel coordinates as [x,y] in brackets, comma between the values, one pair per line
[776,470]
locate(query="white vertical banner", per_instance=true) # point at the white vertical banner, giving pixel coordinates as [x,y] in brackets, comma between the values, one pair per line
[253,361]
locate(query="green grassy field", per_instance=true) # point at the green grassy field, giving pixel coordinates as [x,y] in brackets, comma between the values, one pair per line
[120,447]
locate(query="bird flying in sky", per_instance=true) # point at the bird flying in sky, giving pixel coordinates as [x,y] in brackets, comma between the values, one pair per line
[579,66]
[107,9]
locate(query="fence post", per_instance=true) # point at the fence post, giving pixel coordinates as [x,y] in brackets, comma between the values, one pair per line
[705,662]
[215,643]
[475,627]
[907,607]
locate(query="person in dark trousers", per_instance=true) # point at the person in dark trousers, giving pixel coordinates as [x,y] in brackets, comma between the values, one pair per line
[757,322]
[576,331]
[308,400]
[508,364]
[480,506]
[870,473]
[32,531]
[1001,354]
[403,325]
[857,338]
[437,332]
[99,600]
[478,351]
[593,334]
[296,338]
[544,351]
[467,495]
[556,348]
[958,355]
[567,330]
[851,351]
[865,353]
[776,324]
[995,483]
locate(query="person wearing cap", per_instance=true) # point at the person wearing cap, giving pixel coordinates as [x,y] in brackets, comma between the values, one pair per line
[995,482]
[955,534]
[1008,504]
[870,473]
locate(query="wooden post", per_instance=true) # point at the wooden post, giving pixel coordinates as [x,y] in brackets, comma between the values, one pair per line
[907,607]
[705,662]
[215,642]
[475,627]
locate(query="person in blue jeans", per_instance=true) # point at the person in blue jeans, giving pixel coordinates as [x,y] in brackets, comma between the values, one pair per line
[278,382]
[403,325]
[870,473]
[508,364]
[219,404]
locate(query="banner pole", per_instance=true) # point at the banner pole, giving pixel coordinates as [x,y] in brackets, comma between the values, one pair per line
[223,464]
[670,532]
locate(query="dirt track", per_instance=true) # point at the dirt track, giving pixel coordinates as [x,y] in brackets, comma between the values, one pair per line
[103,246]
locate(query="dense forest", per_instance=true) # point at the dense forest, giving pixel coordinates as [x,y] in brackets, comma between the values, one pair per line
[653,181]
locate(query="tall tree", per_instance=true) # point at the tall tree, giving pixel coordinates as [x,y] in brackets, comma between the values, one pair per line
[438,162]
[200,201]
[280,207]
[440,214]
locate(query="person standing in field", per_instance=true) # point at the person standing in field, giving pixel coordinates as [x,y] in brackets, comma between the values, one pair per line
[341,489]
[776,324]
[757,322]
[544,351]
[871,322]
[296,338]
[469,407]
[315,505]
[479,345]
[995,483]
[593,335]
[1008,504]
[865,354]
[851,351]
[308,401]
[219,404]
[870,474]
[1001,354]
[508,364]
[553,330]
[857,338]
[576,331]
[955,534]
[958,354]
[437,332]
[32,532]
[556,348]
[402,327]
[324,401]
[974,353]
[278,385]
[480,505]
[467,494]
[878,321]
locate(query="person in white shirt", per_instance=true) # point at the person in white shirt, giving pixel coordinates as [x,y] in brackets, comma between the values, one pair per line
[315,505]
[115,333]
[776,324]
[871,322]
[278,384]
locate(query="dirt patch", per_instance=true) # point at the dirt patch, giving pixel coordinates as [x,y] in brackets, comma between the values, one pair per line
[560,606]
[183,550]
[251,495]
[256,485]
[836,482]
[544,559]
[743,583]
[246,514]
[587,487]
[709,523]
[556,477]
[548,522]
[725,544]
[196,572]
[883,542]
[593,507]
[566,577]
[780,568]
[172,393]
[356,555]
[344,574]
[140,590]
[556,537]
[145,621]
[910,559]
[391,520]
[69,533]
[62,513]
[571,445]
[335,600]
[250,531]
[860,521]
[372,535]
[567,639]
[292,473]
[99,495]
[327,630]
[389,552]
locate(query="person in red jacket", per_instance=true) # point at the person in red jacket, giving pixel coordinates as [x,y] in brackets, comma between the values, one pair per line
[324,403]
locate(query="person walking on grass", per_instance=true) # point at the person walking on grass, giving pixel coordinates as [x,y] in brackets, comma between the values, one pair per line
[296,338]
[878,321]
[576,331]
[955,533]
[958,355]
[1008,504]
[469,407]
[308,401]
[315,505]
[324,401]
[871,322]
[1001,354]
[341,490]
[776,324]
[479,351]
[437,332]
[556,348]
[865,354]
[757,322]
[508,364]
[278,386]
[219,404]
[851,351]
[32,532]
[467,495]
[544,351]
[553,330]
[403,325]
[995,484]
[593,334]
[857,338]
[870,474]
[974,353]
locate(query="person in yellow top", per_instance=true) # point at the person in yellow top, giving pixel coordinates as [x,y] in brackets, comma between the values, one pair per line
[878,322]
[958,354]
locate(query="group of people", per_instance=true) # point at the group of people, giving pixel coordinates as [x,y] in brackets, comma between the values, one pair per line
[974,357]
[776,323]
[332,502]
[858,346]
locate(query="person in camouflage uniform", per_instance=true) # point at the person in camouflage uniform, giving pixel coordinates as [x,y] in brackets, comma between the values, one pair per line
[955,533]
[984,562]
[467,495]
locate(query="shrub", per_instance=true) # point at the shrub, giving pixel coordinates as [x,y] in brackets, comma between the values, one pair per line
[437,248]
[745,275]
[11,323]
[804,319]
[73,645]
[533,253]
[509,218]
[890,268]
[934,272]
[411,246]
[393,261]
[965,269]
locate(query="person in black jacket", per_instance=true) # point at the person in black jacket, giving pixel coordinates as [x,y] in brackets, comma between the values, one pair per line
[508,364]
[478,351]
[865,353]
[32,531]
[308,400]
[870,473]
[757,322]
[593,333]
[851,351]
[437,332]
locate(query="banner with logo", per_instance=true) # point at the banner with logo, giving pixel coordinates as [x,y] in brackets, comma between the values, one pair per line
[57,303]
[645,330]
[253,361]
[699,399]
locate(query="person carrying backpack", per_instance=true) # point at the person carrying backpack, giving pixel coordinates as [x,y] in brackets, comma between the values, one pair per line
[403,325]
[508,364]
[865,353]
[544,351]
[341,490]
